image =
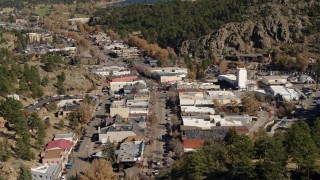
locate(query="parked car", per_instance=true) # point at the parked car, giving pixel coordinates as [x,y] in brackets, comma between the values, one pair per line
[69,165]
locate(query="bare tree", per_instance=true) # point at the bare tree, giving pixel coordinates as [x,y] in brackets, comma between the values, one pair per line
[177,147]
[100,169]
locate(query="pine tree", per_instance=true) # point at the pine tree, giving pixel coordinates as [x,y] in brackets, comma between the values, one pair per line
[25,173]
[108,152]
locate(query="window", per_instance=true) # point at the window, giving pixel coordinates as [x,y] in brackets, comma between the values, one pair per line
[35,175]
[40,176]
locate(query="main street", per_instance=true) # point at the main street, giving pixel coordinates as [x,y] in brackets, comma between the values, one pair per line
[155,151]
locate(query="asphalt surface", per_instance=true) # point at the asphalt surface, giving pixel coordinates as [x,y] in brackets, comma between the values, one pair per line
[42,101]
[81,158]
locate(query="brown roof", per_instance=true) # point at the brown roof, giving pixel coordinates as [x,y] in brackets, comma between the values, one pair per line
[192,143]
[56,153]
[133,138]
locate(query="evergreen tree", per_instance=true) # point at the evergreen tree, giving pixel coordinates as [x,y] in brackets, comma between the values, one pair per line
[108,152]
[5,152]
[25,173]
[45,81]
[73,120]
[301,147]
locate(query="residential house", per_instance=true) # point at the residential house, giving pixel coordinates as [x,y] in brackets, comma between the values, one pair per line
[14,96]
[47,171]
[305,79]
[152,62]
[192,144]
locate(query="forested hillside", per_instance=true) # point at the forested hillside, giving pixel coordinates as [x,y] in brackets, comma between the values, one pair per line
[170,23]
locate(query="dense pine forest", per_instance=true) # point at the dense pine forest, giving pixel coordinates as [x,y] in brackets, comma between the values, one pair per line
[290,155]
[170,23]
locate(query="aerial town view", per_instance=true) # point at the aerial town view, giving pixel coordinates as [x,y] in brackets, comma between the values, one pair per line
[159,89]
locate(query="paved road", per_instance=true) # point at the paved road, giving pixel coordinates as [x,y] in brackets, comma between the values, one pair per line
[44,100]
[80,158]
[157,149]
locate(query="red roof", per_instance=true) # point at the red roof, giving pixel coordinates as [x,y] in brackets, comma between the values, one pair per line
[60,143]
[192,143]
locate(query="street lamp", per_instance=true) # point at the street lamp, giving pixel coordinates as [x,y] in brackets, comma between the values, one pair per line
[87,147]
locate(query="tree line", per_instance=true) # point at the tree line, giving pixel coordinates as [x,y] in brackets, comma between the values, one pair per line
[290,155]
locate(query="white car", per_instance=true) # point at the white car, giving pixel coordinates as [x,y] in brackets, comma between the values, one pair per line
[63,177]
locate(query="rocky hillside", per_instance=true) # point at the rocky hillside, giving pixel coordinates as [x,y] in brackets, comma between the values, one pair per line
[268,27]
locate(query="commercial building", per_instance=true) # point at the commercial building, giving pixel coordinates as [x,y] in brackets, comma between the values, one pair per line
[68,136]
[192,144]
[197,85]
[170,74]
[242,78]
[207,98]
[115,87]
[192,110]
[206,122]
[274,80]
[110,71]
[120,108]
[115,133]
[60,144]
[56,156]
[130,152]
[286,93]
[47,171]
[229,78]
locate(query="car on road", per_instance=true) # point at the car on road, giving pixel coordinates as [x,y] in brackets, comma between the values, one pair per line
[155,172]
[69,165]
[63,177]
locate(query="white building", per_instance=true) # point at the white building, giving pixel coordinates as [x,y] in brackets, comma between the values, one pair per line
[112,70]
[195,109]
[47,171]
[207,98]
[242,78]
[14,96]
[286,93]
[207,122]
[197,85]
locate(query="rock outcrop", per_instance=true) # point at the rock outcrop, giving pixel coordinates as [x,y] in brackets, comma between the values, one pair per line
[262,33]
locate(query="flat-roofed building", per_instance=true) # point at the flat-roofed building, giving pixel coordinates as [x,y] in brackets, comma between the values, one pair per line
[47,171]
[286,93]
[274,80]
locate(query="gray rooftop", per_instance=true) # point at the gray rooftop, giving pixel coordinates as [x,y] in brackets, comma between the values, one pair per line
[129,152]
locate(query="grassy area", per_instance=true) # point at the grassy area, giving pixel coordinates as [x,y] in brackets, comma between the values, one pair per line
[42,10]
